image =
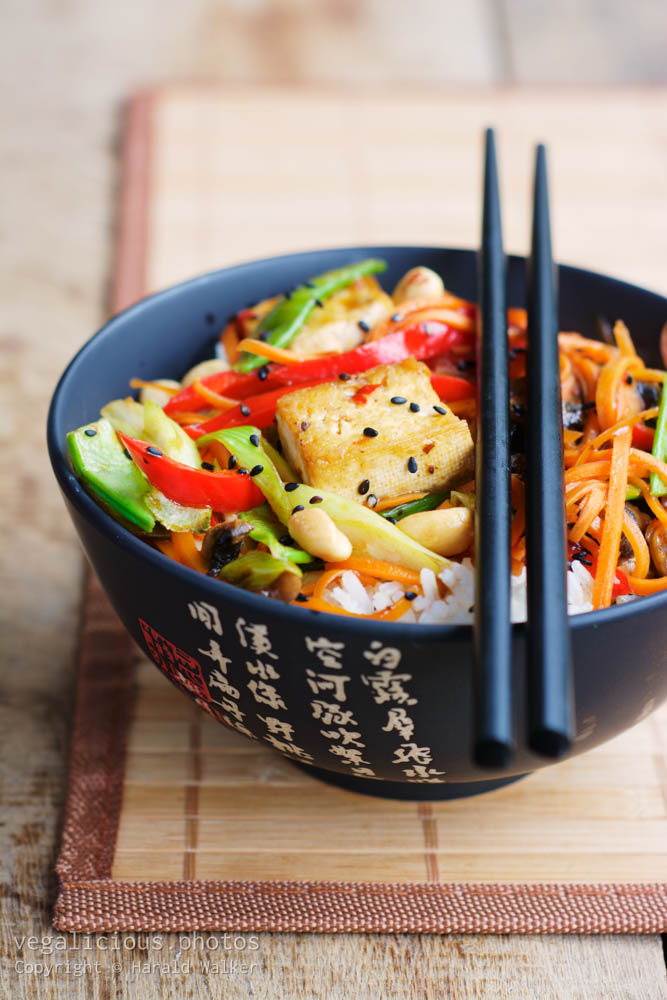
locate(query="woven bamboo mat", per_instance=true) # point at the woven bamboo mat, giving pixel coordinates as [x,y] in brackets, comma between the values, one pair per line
[174,822]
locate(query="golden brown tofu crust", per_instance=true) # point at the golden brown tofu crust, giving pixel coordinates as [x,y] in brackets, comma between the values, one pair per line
[328,435]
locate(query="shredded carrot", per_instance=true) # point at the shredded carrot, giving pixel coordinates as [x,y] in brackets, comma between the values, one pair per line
[607,392]
[656,507]
[214,399]
[644,587]
[590,509]
[634,535]
[324,580]
[229,338]
[139,383]
[379,569]
[623,339]
[613,519]
[271,353]
[389,614]
[186,550]
[185,419]
[419,311]
[402,498]
[636,418]
[166,547]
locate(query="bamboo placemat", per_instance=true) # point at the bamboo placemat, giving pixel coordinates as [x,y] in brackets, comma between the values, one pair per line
[175,823]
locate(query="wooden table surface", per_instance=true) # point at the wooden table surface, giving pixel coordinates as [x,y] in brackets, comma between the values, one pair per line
[60,166]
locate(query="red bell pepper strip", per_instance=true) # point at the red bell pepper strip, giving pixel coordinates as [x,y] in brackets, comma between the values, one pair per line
[257,410]
[225,492]
[642,437]
[621,585]
[423,340]
[451,387]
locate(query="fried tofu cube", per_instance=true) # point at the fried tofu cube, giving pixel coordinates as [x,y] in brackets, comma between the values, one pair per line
[378,433]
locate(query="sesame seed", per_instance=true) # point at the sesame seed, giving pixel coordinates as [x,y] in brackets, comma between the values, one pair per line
[370,432]
[263,336]
[396,317]
[301,598]
[208,466]
[441,410]
[127,454]
[242,472]
[90,432]
[245,410]
[363,487]
[409,595]
[286,540]
[254,440]
[371,500]
[392,520]
[398,400]
[290,486]
[262,373]
[154,451]
[232,462]
[315,500]
[344,377]
[414,407]
[256,469]
[363,325]
[319,303]
[304,425]
[412,464]
[299,506]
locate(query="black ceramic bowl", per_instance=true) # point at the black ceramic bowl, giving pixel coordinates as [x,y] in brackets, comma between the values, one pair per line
[380,707]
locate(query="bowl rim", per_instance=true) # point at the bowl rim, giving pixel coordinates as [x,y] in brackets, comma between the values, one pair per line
[219,590]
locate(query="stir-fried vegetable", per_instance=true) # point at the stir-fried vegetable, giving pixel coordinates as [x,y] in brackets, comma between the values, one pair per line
[370,534]
[283,322]
[257,570]
[658,485]
[100,462]
[269,531]
[429,502]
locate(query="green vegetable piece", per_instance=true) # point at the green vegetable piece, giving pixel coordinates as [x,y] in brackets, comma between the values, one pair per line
[100,462]
[283,322]
[659,450]
[632,492]
[285,470]
[429,502]
[268,531]
[125,415]
[163,432]
[174,516]
[256,570]
[370,534]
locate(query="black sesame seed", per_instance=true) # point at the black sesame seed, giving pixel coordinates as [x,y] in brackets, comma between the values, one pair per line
[629,379]
[127,454]
[319,303]
[232,462]
[304,425]
[242,472]
[392,520]
[90,432]
[299,506]
[370,432]
[414,407]
[409,595]
[397,400]
[441,410]
[363,487]
[208,466]
[363,325]
[371,500]
[154,451]
[412,464]
[301,598]
[464,364]
[315,500]
[344,377]
[286,540]
[245,410]
[396,317]
[256,469]
[291,486]
[254,440]
[262,373]
[264,335]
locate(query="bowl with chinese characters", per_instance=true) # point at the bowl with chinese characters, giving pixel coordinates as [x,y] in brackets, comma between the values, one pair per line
[379,707]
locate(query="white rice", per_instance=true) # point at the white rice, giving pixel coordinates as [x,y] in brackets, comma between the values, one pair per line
[457,606]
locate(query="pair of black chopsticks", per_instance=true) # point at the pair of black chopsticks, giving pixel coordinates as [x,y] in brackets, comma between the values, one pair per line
[548,652]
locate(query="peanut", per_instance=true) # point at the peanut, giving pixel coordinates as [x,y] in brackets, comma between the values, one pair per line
[419,283]
[315,532]
[447,532]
